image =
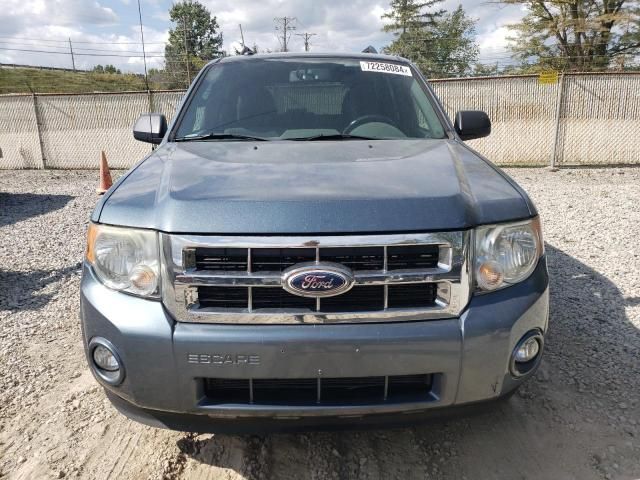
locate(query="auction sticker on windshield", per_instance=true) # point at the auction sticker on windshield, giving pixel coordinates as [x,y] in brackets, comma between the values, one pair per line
[385,68]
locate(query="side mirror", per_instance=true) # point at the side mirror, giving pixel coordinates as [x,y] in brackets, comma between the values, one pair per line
[472,124]
[150,128]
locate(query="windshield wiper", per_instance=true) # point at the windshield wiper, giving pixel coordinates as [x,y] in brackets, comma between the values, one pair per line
[220,136]
[333,136]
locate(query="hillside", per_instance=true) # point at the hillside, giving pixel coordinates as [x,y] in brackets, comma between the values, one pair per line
[26,80]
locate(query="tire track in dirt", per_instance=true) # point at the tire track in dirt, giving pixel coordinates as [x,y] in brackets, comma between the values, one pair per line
[213,456]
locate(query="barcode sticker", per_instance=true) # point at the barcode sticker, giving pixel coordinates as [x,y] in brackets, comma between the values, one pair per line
[382,67]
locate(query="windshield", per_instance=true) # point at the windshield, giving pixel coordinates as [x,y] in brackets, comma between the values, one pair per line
[309,99]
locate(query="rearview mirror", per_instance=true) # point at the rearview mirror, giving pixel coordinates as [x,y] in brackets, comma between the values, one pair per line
[150,128]
[472,124]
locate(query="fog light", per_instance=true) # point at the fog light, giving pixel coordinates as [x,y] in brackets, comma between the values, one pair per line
[105,359]
[527,350]
[525,357]
[106,362]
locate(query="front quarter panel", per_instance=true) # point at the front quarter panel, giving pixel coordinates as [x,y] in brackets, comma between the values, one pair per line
[492,326]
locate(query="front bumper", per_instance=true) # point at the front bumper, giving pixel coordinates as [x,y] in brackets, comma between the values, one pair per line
[469,354]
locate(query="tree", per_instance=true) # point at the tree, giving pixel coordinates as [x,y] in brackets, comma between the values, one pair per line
[485,69]
[442,47]
[106,69]
[193,41]
[578,35]
[409,14]
[407,17]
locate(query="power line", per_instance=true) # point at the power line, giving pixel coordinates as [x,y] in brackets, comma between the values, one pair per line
[160,55]
[76,50]
[49,40]
[284,25]
[306,37]
[79,54]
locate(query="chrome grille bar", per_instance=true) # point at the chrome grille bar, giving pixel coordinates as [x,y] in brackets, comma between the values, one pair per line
[181,279]
[385,265]
[274,279]
[250,289]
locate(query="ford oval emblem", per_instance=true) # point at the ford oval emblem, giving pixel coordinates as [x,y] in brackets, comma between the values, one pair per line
[317,279]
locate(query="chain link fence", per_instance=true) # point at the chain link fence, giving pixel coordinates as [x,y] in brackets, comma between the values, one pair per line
[600,120]
[522,113]
[20,145]
[582,119]
[70,131]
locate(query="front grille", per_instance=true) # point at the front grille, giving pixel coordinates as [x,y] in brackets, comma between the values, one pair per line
[279,259]
[412,257]
[364,258]
[222,297]
[240,280]
[278,298]
[319,391]
[414,295]
[358,299]
[221,259]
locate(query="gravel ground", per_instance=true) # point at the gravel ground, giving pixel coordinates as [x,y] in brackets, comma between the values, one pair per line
[577,419]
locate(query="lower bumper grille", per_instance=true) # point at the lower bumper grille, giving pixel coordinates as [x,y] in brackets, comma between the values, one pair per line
[320,391]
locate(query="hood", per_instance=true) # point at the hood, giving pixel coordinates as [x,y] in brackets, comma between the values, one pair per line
[297,187]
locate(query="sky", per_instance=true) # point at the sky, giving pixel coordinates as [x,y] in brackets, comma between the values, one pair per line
[37,32]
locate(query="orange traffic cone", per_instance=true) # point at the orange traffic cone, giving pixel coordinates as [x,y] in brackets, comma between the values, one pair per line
[105,175]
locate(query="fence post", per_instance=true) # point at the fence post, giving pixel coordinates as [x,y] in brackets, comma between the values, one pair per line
[36,111]
[559,100]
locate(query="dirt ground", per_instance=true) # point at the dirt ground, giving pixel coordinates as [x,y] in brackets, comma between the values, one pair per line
[577,419]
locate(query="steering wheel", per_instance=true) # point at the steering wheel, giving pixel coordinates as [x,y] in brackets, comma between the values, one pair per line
[368,119]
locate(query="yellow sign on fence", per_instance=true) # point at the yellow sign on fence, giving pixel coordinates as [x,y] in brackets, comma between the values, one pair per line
[548,78]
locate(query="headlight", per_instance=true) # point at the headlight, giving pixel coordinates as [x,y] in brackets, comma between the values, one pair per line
[125,259]
[507,254]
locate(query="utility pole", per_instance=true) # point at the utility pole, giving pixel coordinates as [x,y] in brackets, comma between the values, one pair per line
[186,48]
[146,75]
[73,60]
[144,53]
[306,37]
[241,35]
[284,25]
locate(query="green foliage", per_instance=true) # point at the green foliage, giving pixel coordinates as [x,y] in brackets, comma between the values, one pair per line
[407,15]
[485,69]
[28,80]
[193,42]
[576,35]
[444,46]
[106,69]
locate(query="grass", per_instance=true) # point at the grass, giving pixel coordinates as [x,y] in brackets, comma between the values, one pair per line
[28,80]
